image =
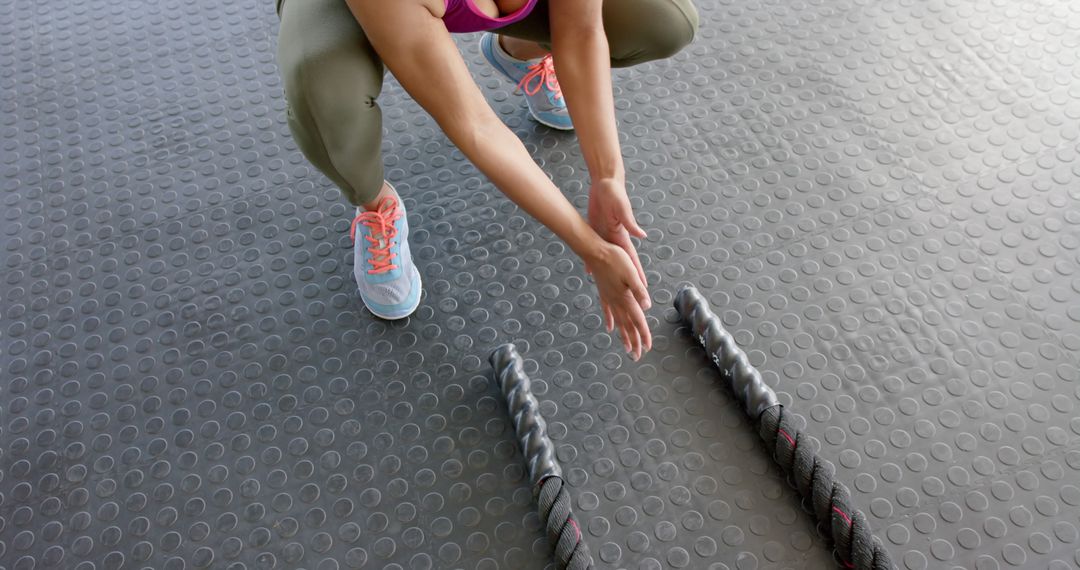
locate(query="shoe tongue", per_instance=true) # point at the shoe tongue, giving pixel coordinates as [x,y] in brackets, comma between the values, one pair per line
[386,211]
[382,243]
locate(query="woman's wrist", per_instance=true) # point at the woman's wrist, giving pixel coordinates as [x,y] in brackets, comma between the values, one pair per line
[611,176]
[608,185]
[585,242]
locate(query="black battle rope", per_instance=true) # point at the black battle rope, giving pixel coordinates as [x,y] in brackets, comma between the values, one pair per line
[830,500]
[552,496]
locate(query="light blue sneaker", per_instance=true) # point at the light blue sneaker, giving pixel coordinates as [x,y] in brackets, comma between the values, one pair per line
[536,79]
[389,282]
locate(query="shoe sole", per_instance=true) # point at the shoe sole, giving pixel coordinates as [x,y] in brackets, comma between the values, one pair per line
[549,125]
[409,311]
[490,57]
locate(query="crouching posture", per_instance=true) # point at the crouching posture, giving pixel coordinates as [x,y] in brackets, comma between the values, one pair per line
[559,52]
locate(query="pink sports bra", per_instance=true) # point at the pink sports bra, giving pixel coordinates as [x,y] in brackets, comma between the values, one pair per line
[462,16]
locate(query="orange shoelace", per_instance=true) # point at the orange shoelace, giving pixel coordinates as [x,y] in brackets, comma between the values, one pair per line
[544,72]
[381,223]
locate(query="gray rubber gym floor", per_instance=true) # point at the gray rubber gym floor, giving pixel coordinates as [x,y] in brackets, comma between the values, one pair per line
[880,198]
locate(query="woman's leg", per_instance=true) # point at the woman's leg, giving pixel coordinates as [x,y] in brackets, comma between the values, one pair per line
[637,30]
[646,30]
[332,78]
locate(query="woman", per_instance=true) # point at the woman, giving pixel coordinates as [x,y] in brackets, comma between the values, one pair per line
[332,52]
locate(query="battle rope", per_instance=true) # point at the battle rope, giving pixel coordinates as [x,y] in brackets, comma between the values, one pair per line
[830,500]
[552,496]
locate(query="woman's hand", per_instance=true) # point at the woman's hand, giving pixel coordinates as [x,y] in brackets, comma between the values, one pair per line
[620,280]
[623,297]
[611,216]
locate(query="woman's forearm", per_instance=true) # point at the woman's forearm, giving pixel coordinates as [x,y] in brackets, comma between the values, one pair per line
[583,63]
[501,156]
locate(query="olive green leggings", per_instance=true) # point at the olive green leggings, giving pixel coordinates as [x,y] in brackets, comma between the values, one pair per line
[333,76]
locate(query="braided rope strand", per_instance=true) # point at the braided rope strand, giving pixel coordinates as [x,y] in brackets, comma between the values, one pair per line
[562,530]
[553,498]
[830,500]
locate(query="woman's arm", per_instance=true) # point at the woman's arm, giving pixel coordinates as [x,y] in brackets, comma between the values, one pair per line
[583,64]
[415,45]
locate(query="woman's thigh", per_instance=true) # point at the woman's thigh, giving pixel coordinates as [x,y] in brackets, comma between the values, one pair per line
[332,77]
[637,30]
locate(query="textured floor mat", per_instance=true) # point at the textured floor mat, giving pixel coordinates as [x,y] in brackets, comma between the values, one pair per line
[879,199]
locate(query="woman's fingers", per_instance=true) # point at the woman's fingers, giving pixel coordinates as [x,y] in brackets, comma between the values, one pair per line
[634,329]
[641,326]
[609,318]
[624,327]
[622,240]
[624,333]
[626,339]
[632,340]
[641,295]
[638,329]
[637,262]
[626,218]
[623,302]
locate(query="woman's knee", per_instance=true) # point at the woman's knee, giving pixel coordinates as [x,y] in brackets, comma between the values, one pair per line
[648,30]
[331,89]
[324,57]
